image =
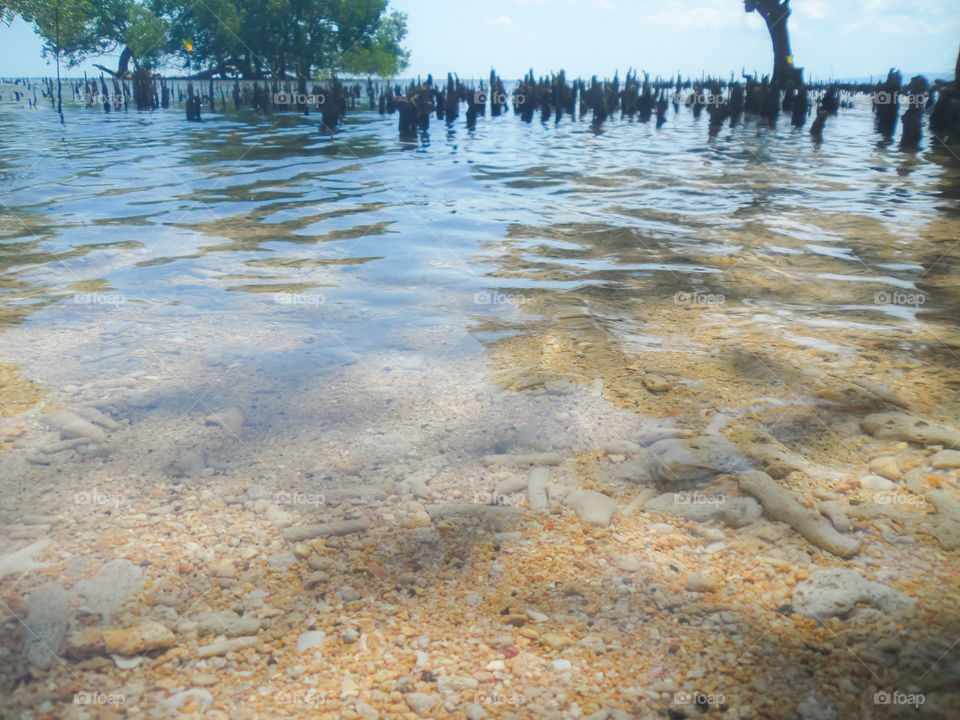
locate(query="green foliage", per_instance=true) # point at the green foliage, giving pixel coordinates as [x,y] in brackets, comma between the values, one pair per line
[283,38]
[250,38]
[205,34]
[128,23]
[89,28]
[64,26]
[384,55]
[145,36]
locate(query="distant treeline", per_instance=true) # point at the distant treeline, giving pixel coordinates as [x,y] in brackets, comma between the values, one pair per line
[233,38]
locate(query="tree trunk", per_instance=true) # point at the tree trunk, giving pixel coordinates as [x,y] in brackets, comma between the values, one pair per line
[302,89]
[956,72]
[945,118]
[59,93]
[775,14]
[125,57]
[143,93]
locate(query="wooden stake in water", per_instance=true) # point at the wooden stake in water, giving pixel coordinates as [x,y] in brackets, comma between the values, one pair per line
[59,96]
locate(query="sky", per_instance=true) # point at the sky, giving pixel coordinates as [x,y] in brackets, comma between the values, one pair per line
[848,39]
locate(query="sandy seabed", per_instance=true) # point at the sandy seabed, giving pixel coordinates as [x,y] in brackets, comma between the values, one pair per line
[212,521]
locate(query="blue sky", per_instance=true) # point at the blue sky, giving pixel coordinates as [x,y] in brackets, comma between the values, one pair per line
[853,38]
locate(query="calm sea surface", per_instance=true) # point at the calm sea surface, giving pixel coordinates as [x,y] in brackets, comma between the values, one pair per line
[325,251]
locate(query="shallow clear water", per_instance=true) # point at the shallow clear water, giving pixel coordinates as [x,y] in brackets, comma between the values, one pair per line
[342,244]
[390,330]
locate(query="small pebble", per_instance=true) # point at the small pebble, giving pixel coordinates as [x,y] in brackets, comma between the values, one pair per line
[309,640]
[420,703]
[656,383]
[699,583]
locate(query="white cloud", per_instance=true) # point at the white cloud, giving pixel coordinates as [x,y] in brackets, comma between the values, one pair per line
[894,25]
[602,4]
[707,15]
[811,9]
[502,21]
